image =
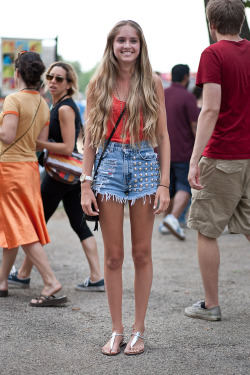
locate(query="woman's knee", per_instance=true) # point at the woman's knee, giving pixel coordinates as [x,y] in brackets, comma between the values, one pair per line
[141,255]
[113,259]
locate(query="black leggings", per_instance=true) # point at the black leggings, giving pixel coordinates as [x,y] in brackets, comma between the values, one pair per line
[53,192]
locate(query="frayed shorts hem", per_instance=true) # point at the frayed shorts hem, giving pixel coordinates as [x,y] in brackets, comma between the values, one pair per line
[125,200]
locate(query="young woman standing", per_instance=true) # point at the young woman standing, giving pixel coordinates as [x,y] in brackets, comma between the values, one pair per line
[129,170]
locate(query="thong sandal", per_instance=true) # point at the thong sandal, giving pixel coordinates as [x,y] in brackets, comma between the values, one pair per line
[122,343]
[47,301]
[137,336]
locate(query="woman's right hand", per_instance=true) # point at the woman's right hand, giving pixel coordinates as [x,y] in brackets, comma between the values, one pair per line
[87,199]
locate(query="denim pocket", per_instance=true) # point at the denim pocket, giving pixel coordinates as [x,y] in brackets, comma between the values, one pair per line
[147,155]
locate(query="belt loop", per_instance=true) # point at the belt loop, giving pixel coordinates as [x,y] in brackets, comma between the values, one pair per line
[111,147]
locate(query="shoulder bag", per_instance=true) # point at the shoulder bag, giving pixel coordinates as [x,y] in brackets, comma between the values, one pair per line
[63,168]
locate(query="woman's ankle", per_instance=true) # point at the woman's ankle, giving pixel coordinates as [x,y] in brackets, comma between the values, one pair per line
[138,328]
[22,275]
[3,284]
[117,329]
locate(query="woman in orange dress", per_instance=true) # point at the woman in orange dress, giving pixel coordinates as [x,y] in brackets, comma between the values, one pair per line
[24,119]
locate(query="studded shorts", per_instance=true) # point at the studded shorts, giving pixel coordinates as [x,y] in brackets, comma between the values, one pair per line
[127,173]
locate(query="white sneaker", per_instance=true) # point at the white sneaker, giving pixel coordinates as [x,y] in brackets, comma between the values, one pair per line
[173,225]
[13,270]
[198,311]
[162,229]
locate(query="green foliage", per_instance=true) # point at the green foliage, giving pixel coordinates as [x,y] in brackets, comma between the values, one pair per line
[83,77]
[246,3]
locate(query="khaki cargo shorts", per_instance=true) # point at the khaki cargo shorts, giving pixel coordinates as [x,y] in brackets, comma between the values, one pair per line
[224,200]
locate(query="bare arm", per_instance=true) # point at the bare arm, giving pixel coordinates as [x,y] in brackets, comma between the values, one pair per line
[206,124]
[43,136]
[67,125]
[162,194]
[87,195]
[9,128]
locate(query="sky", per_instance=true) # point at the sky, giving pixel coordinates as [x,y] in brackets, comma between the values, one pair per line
[175,30]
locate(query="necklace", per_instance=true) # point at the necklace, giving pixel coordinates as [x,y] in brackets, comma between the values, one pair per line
[123,135]
[116,89]
[58,101]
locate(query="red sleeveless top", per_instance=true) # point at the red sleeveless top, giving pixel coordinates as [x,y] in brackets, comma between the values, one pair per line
[117,107]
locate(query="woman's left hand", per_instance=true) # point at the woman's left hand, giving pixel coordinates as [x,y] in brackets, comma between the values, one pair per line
[162,199]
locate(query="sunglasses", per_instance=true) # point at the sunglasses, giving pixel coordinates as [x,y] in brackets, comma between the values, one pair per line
[58,79]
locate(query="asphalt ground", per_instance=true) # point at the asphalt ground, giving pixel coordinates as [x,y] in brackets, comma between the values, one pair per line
[68,340]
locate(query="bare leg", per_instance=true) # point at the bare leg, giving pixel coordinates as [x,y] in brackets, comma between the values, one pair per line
[209,261]
[25,269]
[180,202]
[90,249]
[8,259]
[111,221]
[248,237]
[170,207]
[38,257]
[142,220]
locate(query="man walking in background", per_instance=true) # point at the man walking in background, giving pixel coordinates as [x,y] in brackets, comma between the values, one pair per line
[221,178]
[182,115]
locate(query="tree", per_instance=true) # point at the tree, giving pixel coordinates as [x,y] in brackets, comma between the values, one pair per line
[83,77]
[245,32]
[246,3]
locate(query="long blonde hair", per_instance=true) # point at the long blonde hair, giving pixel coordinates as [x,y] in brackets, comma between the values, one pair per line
[142,93]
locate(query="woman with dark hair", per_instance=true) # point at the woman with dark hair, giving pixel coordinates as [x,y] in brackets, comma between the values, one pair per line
[64,128]
[24,120]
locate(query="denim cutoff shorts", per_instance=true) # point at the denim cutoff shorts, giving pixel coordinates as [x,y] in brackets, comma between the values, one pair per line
[127,173]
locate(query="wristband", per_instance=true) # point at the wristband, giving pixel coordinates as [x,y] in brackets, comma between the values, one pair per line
[164,186]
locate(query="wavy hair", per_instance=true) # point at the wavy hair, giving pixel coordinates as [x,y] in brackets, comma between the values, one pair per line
[30,66]
[142,94]
[71,76]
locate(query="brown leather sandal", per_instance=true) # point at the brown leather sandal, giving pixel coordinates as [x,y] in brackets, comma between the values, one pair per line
[4,293]
[47,301]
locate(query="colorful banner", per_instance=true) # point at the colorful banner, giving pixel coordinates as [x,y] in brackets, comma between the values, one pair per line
[10,51]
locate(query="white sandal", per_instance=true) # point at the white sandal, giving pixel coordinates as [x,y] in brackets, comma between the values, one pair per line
[122,343]
[137,336]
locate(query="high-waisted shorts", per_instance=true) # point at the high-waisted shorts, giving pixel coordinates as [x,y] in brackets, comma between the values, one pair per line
[127,173]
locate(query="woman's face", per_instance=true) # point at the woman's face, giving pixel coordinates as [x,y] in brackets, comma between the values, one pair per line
[126,45]
[57,88]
